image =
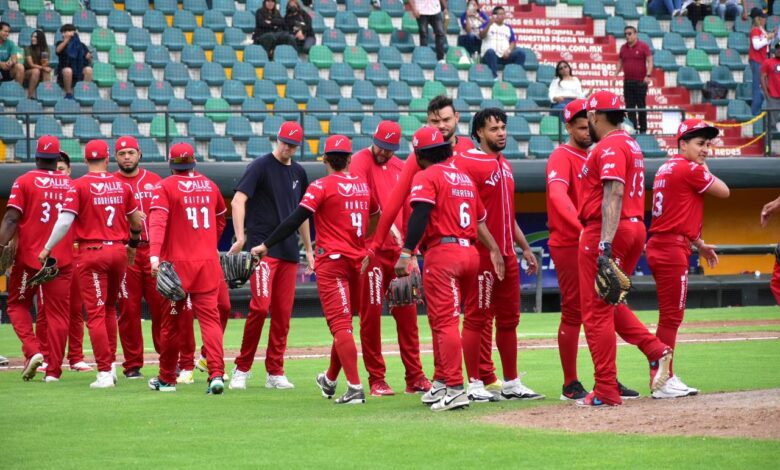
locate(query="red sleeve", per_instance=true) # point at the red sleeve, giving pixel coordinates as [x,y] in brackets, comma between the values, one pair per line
[158,223]
[396,200]
[72,200]
[423,189]
[17,199]
[373,206]
[315,193]
[562,205]
[700,179]
[612,163]
[131,205]
[558,167]
[159,198]
[481,212]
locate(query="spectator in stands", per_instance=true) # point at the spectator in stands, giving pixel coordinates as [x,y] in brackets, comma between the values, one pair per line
[635,60]
[770,84]
[697,10]
[10,68]
[431,12]
[665,7]
[759,50]
[270,28]
[565,87]
[75,60]
[472,21]
[499,46]
[299,25]
[727,9]
[36,62]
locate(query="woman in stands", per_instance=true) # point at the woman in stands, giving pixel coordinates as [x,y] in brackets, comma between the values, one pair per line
[36,62]
[565,87]
[299,25]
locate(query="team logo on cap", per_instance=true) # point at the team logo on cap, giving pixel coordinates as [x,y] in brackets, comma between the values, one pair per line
[388,135]
[46,146]
[122,143]
[567,114]
[593,102]
[338,142]
[415,142]
[292,132]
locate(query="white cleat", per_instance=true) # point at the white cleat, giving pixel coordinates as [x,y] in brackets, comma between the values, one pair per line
[238,382]
[436,393]
[515,390]
[668,391]
[32,367]
[80,366]
[452,400]
[104,380]
[278,381]
[478,394]
[51,379]
[186,377]
[678,384]
[662,374]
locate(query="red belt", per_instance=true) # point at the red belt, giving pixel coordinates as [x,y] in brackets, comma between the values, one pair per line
[669,236]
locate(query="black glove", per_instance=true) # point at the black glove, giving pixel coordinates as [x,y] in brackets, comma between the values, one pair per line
[169,283]
[237,268]
[405,290]
[48,272]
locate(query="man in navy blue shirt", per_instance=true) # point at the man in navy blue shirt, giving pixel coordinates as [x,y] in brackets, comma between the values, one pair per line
[268,192]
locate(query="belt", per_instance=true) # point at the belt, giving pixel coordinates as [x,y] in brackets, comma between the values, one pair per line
[599,221]
[451,240]
[669,236]
[95,245]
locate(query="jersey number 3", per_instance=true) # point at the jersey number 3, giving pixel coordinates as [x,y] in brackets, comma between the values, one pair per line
[46,211]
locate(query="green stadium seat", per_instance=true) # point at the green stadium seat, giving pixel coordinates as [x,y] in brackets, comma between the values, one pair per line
[318,108]
[26,105]
[402,41]
[404,149]
[394,8]
[739,42]
[329,90]
[412,74]
[312,129]
[86,93]
[234,92]
[341,124]
[31,7]
[119,21]
[517,128]
[168,7]
[297,90]
[664,60]
[409,125]
[317,23]
[239,128]
[674,43]
[470,92]
[15,19]
[515,74]
[321,57]
[551,127]
[85,21]
[287,109]
[121,57]
[11,93]
[48,93]
[334,39]
[136,7]
[743,26]
[458,58]
[377,74]
[326,8]
[86,129]
[258,146]
[234,38]
[399,92]
[528,105]
[350,107]
[481,75]
[138,39]
[647,40]
[193,56]
[446,74]
[10,130]
[226,7]
[123,93]
[650,26]
[539,93]
[545,74]
[23,152]
[176,74]
[160,92]
[222,149]
[715,26]
[361,8]
[615,26]
[364,91]
[347,22]
[531,61]
[150,151]
[540,146]
[697,59]
[174,39]
[707,43]
[201,129]
[213,74]
[244,20]
[682,26]
[342,74]
[215,21]
[649,145]
[275,72]
[594,9]
[256,55]
[723,76]
[390,57]
[225,56]
[505,93]
[491,103]
[286,55]
[103,110]
[47,125]
[124,125]
[432,89]
[104,75]
[205,38]
[154,21]
[140,74]
[745,92]
[626,9]
[387,109]
[380,22]
[73,148]
[244,73]
[180,109]
[369,123]
[425,57]
[689,78]
[69,7]
[409,23]
[102,39]
[49,21]
[254,109]
[140,110]
[66,111]
[305,71]
[198,7]
[368,40]
[356,57]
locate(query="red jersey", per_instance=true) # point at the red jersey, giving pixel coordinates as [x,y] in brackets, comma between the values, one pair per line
[342,204]
[495,183]
[678,198]
[381,180]
[142,185]
[456,204]
[758,37]
[195,212]
[616,157]
[102,204]
[565,166]
[39,195]
[771,68]
[401,190]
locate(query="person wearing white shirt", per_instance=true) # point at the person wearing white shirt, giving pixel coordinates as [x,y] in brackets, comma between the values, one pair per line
[565,87]
[499,45]
[431,12]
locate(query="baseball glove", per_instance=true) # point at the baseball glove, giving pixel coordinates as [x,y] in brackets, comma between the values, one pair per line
[169,283]
[237,267]
[612,284]
[48,272]
[405,290]
[7,256]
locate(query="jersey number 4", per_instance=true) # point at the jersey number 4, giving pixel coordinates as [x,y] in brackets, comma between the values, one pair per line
[192,216]
[357,222]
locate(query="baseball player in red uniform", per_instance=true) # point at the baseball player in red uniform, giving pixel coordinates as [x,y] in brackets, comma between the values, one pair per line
[678,214]
[186,220]
[380,168]
[767,211]
[32,208]
[611,212]
[76,322]
[447,218]
[138,281]
[343,206]
[494,298]
[99,206]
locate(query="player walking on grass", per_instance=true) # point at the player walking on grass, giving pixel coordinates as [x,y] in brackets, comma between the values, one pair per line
[187,353]
[678,214]
[32,208]
[186,220]
[138,281]
[611,212]
[268,193]
[343,205]
[99,206]
[447,218]
[767,211]
[380,168]
[494,299]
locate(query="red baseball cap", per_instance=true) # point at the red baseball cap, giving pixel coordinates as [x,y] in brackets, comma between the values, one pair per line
[428,137]
[290,133]
[605,101]
[126,142]
[573,108]
[338,143]
[388,135]
[96,150]
[48,147]
[182,156]
[690,126]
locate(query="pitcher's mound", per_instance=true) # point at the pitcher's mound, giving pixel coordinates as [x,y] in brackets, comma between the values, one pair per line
[754,414]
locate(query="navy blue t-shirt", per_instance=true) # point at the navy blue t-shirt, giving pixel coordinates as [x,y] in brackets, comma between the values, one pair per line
[274,191]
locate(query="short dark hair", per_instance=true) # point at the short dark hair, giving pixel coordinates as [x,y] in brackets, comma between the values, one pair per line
[581,114]
[435,154]
[64,158]
[483,116]
[703,133]
[497,9]
[67,27]
[630,28]
[438,103]
[337,160]
[615,118]
[3,24]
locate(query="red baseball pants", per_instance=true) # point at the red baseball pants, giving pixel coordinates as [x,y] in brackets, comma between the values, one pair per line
[273,289]
[138,282]
[373,286]
[601,319]
[567,269]
[76,323]
[187,353]
[775,283]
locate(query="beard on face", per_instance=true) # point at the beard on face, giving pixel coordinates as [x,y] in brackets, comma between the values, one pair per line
[128,170]
[494,146]
[584,143]
[593,137]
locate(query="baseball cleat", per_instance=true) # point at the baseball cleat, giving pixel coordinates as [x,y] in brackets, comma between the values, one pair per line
[420,386]
[353,396]
[238,382]
[113,372]
[437,391]
[3,361]
[494,387]
[675,382]
[515,390]
[381,389]
[327,386]
[51,379]
[80,366]
[31,368]
[662,373]
[573,391]
[133,374]
[186,377]
[478,394]
[453,399]
[627,393]
[278,381]
[202,365]
[216,386]
[42,368]
[158,385]
[104,380]
[668,391]
[591,401]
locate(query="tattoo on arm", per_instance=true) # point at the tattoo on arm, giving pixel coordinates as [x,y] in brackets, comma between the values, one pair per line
[610,209]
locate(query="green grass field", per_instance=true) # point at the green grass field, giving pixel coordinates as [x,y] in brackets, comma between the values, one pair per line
[67,425]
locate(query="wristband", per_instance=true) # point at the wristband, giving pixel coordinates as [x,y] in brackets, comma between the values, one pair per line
[404,255]
[133,242]
[154,259]
[135,232]
[605,248]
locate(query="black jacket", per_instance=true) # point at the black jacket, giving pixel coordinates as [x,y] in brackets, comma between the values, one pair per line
[298,20]
[268,22]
